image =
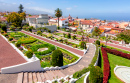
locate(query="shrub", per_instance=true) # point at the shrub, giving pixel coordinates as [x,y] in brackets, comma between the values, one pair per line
[18,44]
[81,72]
[10,39]
[82,44]
[69,35]
[4,28]
[2,32]
[5,34]
[96,75]
[12,28]
[58,27]
[49,31]
[49,35]
[66,36]
[97,42]
[74,37]
[75,46]
[57,58]
[65,40]
[29,54]
[39,32]
[60,38]
[102,44]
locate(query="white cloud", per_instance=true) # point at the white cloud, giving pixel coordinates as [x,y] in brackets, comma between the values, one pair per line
[69,8]
[42,9]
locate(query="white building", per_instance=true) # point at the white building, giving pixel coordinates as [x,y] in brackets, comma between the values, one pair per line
[63,22]
[40,21]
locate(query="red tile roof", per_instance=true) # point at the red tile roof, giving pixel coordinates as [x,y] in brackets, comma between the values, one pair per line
[3,18]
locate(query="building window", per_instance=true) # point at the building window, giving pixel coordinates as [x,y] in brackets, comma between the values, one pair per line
[66,22]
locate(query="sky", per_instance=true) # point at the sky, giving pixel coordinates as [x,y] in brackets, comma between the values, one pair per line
[101,9]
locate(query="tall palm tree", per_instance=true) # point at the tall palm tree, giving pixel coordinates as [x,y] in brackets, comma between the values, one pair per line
[58,14]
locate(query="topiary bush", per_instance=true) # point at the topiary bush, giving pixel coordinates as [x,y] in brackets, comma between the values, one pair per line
[10,39]
[39,32]
[82,44]
[97,42]
[18,44]
[96,75]
[29,54]
[57,58]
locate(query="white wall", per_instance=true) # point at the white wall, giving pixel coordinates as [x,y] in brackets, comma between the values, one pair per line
[28,66]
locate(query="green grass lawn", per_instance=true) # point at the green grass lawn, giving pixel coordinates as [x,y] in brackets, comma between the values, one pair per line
[81,80]
[113,61]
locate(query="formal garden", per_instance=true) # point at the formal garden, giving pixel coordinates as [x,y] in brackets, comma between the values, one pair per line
[42,50]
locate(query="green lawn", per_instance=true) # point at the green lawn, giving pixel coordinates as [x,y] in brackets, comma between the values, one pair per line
[81,80]
[113,61]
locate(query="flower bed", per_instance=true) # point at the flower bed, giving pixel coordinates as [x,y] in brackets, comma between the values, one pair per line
[118,53]
[106,67]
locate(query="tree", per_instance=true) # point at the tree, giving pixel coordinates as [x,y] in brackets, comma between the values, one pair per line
[3,27]
[20,8]
[96,32]
[125,35]
[57,58]
[16,18]
[96,75]
[82,44]
[58,14]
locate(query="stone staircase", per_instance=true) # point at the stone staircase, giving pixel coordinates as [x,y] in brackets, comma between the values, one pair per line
[34,77]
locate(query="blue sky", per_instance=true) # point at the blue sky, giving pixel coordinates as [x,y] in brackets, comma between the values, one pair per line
[103,9]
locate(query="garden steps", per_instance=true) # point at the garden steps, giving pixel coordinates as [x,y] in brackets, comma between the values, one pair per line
[20,78]
[25,80]
[30,77]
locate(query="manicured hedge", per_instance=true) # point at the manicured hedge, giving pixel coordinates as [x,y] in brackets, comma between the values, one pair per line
[50,47]
[27,40]
[96,75]
[118,53]
[106,67]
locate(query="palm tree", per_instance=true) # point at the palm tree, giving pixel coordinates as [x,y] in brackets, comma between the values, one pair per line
[58,14]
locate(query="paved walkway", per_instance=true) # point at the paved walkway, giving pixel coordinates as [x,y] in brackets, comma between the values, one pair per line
[91,40]
[79,52]
[8,55]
